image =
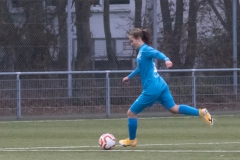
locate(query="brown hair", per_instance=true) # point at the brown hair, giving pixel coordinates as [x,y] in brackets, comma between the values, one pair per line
[144,34]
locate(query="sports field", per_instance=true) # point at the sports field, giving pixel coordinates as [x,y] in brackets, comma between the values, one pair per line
[168,138]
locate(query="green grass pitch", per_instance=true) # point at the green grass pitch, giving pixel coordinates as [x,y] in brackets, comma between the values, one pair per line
[170,138]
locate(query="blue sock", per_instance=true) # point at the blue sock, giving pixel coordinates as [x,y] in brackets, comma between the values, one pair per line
[184,109]
[132,127]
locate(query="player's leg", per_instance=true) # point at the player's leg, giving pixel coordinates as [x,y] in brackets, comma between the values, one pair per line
[188,110]
[132,131]
[183,109]
[167,101]
[140,104]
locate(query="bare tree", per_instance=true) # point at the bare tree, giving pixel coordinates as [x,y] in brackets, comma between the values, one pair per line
[62,32]
[228,12]
[34,55]
[84,40]
[177,33]
[148,15]
[227,21]
[138,14]
[112,58]
[137,24]
[172,38]
[8,37]
[192,35]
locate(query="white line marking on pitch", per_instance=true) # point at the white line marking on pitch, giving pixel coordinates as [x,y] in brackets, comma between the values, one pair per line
[105,119]
[161,151]
[100,119]
[179,144]
[71,147]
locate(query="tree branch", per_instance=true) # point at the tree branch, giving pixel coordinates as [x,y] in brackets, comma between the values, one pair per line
[218,15]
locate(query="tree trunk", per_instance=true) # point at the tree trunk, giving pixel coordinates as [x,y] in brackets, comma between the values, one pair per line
[172,38]
[167,32]
[34,55]
[84,40]
[148,16]
[192,35]
[138,14]
[177,34]
[228,14]
[137,24]
[8,37]
[112,58]
[62,31]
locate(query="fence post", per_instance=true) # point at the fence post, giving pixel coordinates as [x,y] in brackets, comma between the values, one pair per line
[19,107]
[107,94]
[69,60]
[155,27]
[235,43]
[193,89]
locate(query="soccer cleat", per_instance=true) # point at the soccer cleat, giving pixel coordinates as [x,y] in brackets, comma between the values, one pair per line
[128,142]
[206,115]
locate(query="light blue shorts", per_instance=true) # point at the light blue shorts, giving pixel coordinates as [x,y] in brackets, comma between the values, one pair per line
[163,97]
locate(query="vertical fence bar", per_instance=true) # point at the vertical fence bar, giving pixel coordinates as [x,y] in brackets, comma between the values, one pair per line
[193,89]
[69,12]
[19,107]
[107,94]
[234,5]
[155,27]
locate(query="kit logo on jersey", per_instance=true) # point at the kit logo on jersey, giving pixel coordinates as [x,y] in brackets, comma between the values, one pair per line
[155,74]
[139,55]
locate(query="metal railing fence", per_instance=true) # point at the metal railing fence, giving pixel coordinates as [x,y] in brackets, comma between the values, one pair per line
[101,93]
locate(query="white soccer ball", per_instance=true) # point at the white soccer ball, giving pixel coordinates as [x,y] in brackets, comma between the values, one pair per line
[107,141]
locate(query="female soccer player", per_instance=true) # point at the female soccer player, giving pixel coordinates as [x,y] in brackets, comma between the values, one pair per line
[155,89]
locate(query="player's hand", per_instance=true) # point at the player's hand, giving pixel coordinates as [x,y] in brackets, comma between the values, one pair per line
[168,64]
[125,80]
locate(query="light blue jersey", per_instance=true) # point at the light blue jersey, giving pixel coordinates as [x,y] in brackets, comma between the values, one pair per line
[154,86]
[147,70]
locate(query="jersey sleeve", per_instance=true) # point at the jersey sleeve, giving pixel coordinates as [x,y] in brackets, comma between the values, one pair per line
[153,53]
[134,73]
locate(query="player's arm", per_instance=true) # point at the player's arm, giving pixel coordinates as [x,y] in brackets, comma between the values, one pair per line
[133,74]
[153,53]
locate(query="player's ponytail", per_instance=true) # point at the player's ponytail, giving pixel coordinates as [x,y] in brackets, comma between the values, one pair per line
[146,37]
[144,34]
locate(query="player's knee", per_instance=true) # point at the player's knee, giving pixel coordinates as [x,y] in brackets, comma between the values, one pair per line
[174,109]
[131,114]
